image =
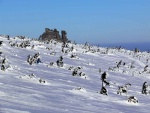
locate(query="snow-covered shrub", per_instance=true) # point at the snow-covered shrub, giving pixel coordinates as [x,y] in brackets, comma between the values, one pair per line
[123,89]
[133,99]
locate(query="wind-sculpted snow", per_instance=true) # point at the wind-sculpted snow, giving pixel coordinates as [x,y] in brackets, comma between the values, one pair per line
[68,78]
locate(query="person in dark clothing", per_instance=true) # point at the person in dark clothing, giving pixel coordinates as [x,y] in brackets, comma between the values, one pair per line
[144,88]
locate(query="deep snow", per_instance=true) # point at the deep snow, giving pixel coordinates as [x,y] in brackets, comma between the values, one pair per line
[64,93]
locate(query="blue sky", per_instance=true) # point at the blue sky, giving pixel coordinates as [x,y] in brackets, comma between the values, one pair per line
[93,21]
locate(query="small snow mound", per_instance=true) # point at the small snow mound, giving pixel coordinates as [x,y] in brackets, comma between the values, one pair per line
[46,83]
[2,94]
[132,103]
[125,102]
[91,64]
[80,89]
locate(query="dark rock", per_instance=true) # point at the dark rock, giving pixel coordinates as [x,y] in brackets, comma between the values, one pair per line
[64,36]
[50,34]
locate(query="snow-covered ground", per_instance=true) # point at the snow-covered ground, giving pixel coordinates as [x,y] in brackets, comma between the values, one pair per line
[60,91]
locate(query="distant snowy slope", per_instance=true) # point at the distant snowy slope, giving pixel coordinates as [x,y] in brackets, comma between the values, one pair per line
[30,86]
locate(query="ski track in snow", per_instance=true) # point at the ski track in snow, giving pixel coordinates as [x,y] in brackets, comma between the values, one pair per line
[64,93]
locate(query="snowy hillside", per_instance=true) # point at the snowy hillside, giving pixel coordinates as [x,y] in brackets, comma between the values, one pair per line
[30,86]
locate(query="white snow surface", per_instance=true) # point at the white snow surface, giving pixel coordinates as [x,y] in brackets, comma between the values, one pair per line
[64,93]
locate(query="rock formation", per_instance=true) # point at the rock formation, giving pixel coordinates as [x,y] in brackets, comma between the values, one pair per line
[54,34]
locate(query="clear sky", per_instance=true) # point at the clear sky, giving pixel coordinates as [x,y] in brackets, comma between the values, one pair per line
[93,21]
